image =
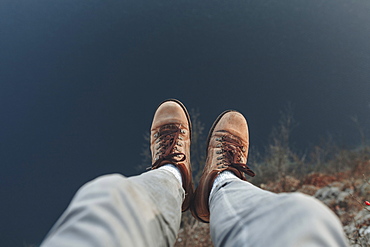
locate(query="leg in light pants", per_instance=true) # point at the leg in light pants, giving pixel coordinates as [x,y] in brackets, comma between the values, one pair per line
[244,215]
[145,211]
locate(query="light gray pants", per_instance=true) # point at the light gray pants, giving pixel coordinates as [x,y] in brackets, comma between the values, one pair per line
[145,211]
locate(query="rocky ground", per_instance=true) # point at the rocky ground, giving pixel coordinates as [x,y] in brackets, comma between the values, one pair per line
[344,193]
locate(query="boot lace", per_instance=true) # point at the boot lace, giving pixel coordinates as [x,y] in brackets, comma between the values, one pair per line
[232,152]
[169,140]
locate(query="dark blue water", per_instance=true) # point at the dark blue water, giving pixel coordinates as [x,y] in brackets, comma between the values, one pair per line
[80,81]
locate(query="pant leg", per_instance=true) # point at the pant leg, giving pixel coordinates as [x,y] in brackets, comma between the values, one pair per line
[113,210]
[245,215]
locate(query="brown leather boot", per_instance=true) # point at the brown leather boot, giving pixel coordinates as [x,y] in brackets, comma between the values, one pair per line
[227,150]
[170,142]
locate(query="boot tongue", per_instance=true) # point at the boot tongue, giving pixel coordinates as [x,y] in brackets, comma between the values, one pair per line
[168,129]
[232,140]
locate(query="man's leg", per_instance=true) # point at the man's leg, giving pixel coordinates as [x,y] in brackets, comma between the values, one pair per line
[114,210]
[139,211]
[244,215]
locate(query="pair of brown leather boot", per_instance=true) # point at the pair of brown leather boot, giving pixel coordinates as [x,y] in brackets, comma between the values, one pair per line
[227,149]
